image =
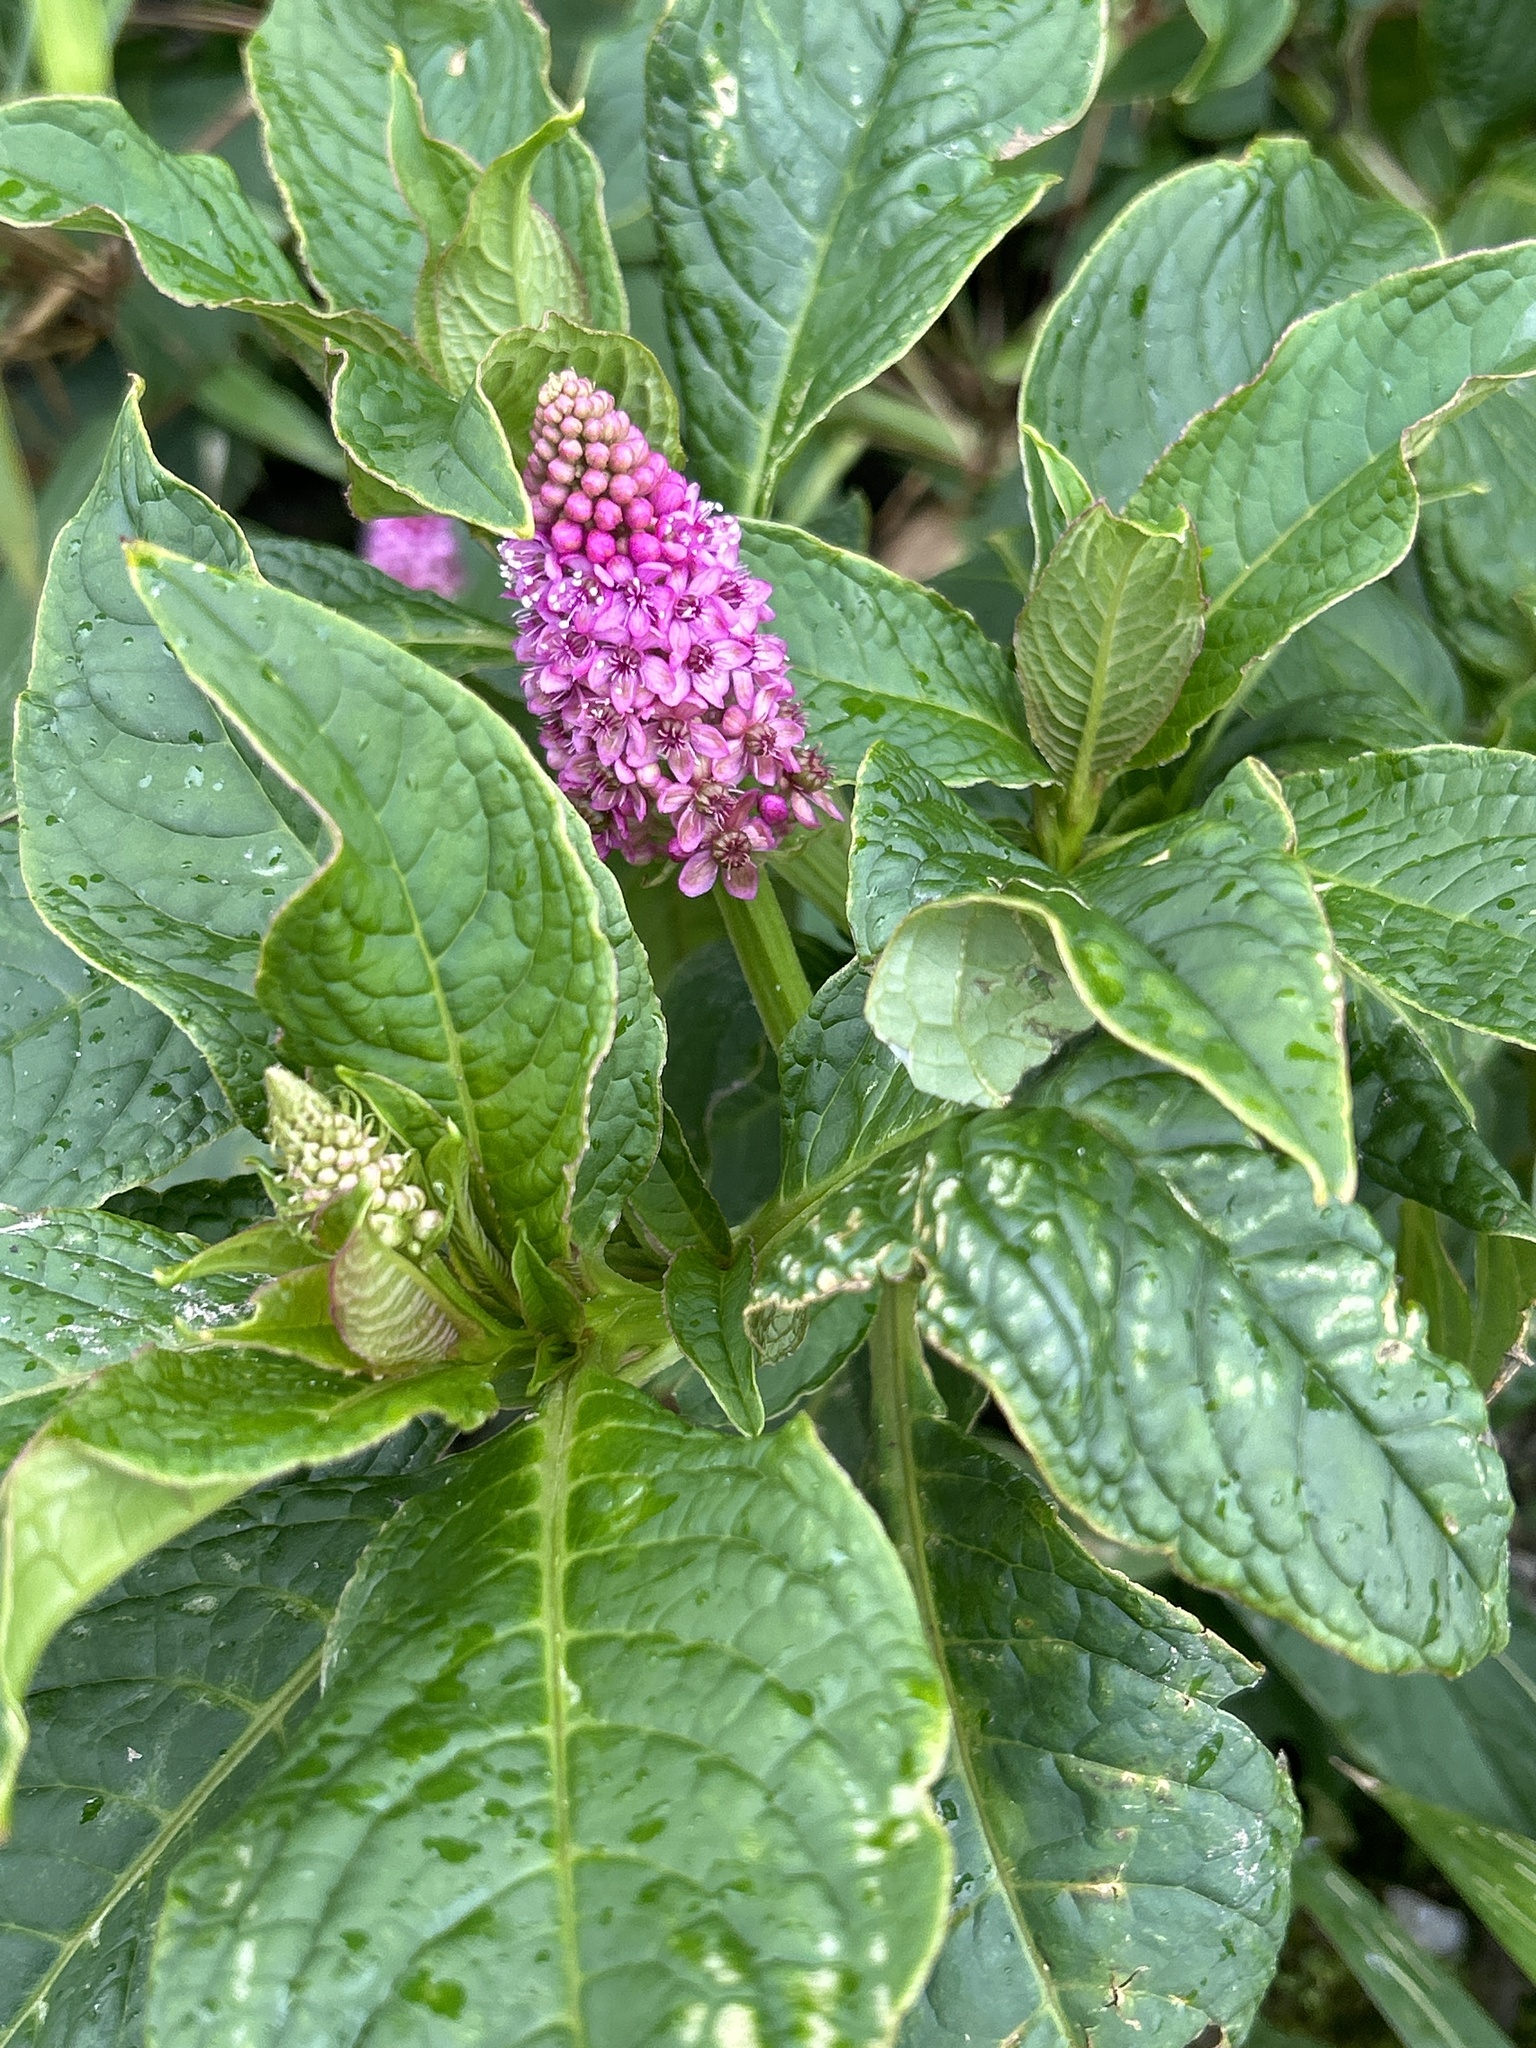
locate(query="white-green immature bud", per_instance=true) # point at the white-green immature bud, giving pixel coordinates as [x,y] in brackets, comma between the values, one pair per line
[328,1151]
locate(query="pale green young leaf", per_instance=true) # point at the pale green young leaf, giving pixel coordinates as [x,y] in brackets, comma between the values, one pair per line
[1203,1362]
[1295,508]
[822,185]
[98,1089]
[1185,294]
[592,1802]
[1127,1865]
[705,1303]
[1427,865]
[85,163]
[453,940]
[148,840]
[435,629]
[1104,643]
[1058,494]
[875,657]
[1477,536]
[518,363]
[435,178]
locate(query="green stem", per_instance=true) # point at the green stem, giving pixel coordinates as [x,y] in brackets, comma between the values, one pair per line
[766,950]
[895,1367]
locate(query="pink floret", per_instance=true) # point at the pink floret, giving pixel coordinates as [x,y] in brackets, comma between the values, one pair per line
[422,553]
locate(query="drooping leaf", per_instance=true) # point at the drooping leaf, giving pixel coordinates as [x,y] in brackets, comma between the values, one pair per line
[1427,864]
[86,163]
[705,1304]
[453,941]
[1186,293]
[520,361]
[158,1441]
[1241,37]
[482,72]
[1201,1361]
[1494,1869]
[1124,1843]
[822,185]
[625,1834]
[98,1090]
[1295,510]
[1104,644]
[1477,538]
[1418,1136]
[148,840]
[433,628]
[875,657]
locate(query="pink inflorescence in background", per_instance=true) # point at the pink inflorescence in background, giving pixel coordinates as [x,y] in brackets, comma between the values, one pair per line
[667,712]
[420,552]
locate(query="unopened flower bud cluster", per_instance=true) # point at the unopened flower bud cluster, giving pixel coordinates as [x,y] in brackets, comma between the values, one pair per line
[328,1152]
[667,711]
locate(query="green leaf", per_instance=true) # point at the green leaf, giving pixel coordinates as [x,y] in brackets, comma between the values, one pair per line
[1058,494]
[482,71]
[1203,1362]
[506,267]
[1293,510]
[85,163]
[1107,637]
[432,628]
[147,1449]
[1481,57]
[875,657]
[1427,865]
[816,212]
[81,1294]
[147,839]
[197,1667]
[1477,536]
[1504,1291]
[453,941]
[673,1203]
[1124,1864]
[1425,2006]
[705,1303]
[1431,1282]
[518,363]
[501,1774]
[97,1089]
[1417,1133]
[1241,37]
[210,1210]
[1493,1869]
[435,178]
[446,454]
[1500,205]
[1185,294]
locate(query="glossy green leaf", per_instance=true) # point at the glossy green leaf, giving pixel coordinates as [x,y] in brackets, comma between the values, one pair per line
[1477,536]
[1417,1134]
[705,1303]
[1295,509]
[596,1764]
[154,1714]
[518,363]
[1104,643]
[98,1090]
[86,163]
[148,840]
[146,1450]
[1203,1362]
[875,657]
[1241,37]
[433,628]
[482,71]
[1427,864]
[1185,294]
[80,1293]
[1425,2006]
[453,942]
[822,185]
[1122,1845]
[1494,1869]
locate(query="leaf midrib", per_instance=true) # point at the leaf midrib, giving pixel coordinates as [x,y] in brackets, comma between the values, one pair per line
[554,1502]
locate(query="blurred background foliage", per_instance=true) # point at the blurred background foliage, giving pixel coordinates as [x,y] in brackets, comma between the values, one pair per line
[1416,1923]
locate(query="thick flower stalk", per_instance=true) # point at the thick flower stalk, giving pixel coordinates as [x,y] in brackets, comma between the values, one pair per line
[666,710]
[420,552]
[328,1152]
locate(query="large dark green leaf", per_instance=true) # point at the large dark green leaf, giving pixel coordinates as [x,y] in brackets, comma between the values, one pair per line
[1203,1362]
[148,839]
[482,69]
[98,1090]
[1187,291]
[1122,1845]
[453,941]
[1477,538]
[433,628]
[875,657]
[823,181]
[610,1749]
[154,1714]
[1427,865]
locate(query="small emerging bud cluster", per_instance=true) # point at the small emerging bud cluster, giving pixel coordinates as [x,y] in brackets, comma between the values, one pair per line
[667,711]
[328,1152]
